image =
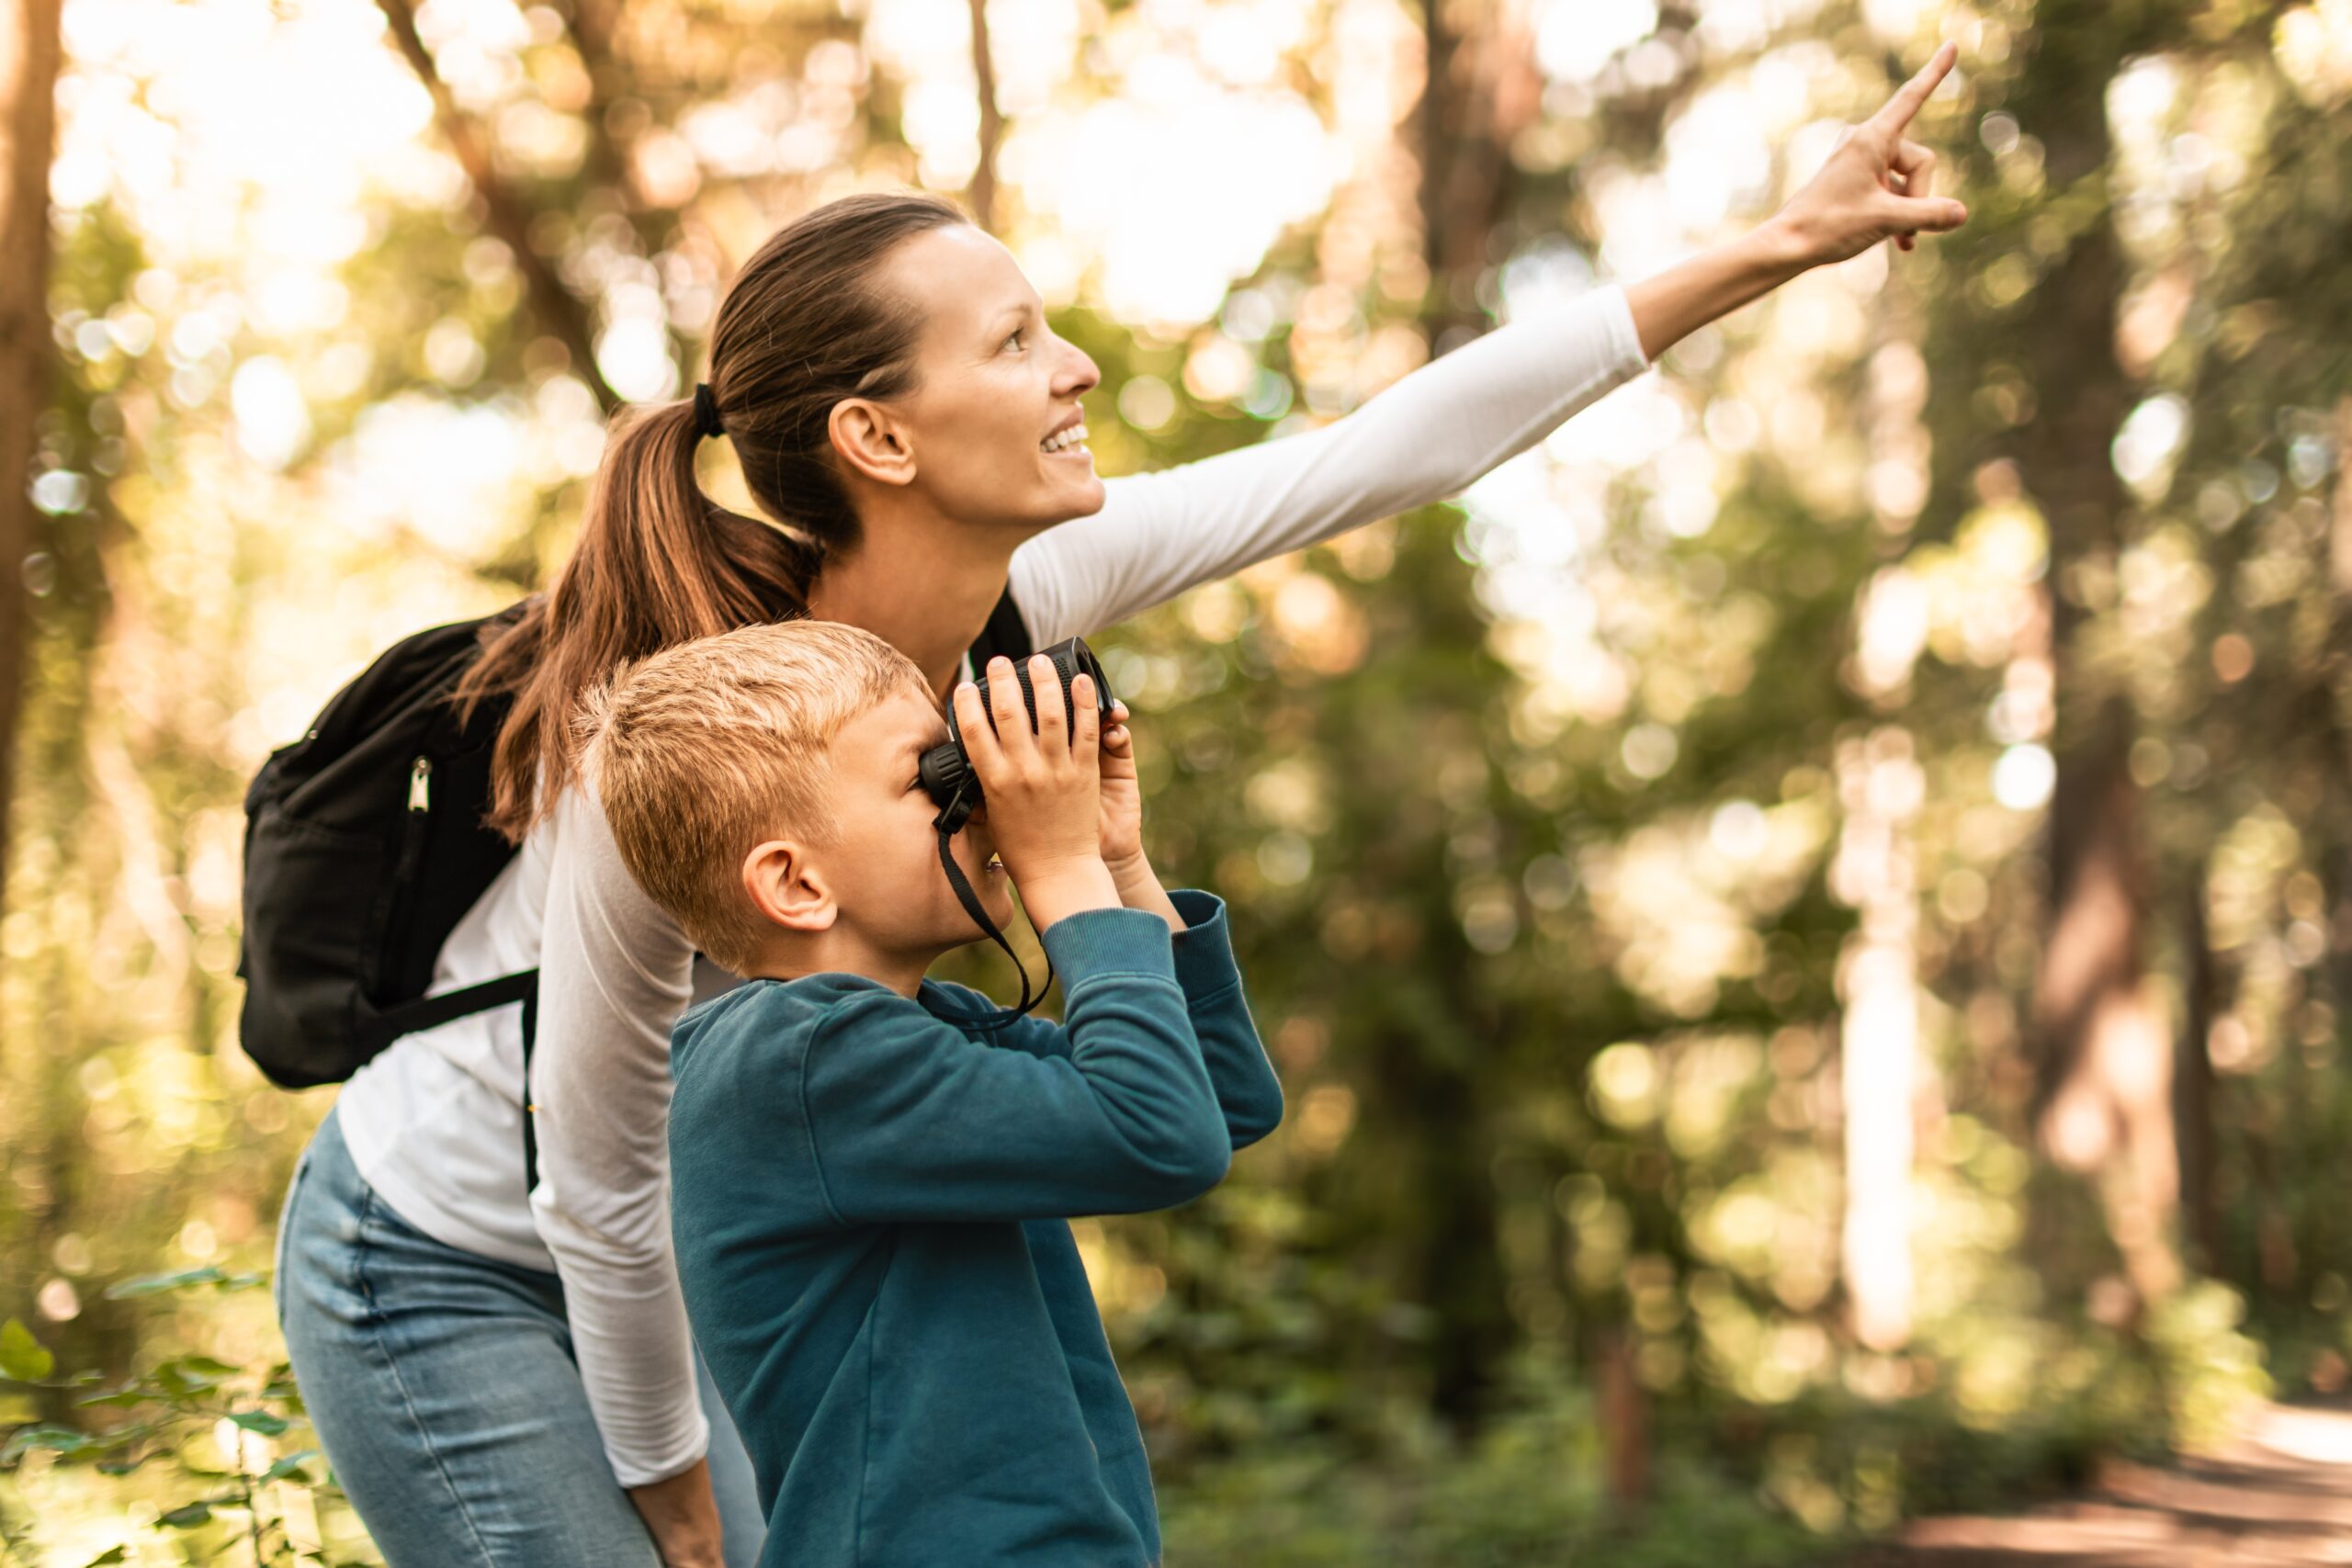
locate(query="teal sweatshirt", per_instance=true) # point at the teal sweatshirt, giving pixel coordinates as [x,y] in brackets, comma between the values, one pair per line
[870,1201]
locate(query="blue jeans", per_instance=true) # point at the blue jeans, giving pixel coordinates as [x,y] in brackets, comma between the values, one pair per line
[444,1395]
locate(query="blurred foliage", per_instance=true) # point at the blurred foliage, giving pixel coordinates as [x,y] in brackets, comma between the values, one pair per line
[1563,829]
[205,1451]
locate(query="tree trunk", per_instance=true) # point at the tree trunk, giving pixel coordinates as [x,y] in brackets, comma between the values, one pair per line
[29,64]
[982,191]
[1464,193]
[1442,1139]
[2193,1081]
[2333,702]
[2104,1060]
[1481,89]
[1624,1422]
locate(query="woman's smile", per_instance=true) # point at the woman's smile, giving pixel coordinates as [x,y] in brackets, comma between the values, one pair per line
[1067,442]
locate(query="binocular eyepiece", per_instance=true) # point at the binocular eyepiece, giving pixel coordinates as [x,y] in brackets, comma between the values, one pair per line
[947,768]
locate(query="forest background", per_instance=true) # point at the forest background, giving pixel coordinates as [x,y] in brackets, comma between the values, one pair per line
[1806,922]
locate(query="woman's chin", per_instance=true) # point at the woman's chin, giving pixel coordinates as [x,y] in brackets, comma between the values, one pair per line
[1075,497]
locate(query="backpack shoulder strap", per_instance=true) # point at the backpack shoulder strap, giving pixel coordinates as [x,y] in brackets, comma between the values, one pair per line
[1005,633]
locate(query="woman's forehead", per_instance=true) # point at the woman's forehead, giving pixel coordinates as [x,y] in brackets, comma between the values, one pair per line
[966,280]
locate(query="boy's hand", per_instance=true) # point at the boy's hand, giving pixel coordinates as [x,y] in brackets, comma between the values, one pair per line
[1122,838]
[1043,788]
[1138,885]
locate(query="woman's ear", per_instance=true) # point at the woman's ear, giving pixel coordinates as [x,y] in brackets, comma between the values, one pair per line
[786,887]
[872,441]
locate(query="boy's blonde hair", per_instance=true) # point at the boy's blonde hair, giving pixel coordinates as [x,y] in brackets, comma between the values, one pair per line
[713,746]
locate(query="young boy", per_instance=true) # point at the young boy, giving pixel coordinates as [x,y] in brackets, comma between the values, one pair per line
[869,1193]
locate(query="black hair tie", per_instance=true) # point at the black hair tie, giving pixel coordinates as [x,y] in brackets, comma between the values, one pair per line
[707,411]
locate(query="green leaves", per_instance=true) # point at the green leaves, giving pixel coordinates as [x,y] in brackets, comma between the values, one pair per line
[186,1279]
[183,1375]
[61,1440]
[23,1359]
[291,1465]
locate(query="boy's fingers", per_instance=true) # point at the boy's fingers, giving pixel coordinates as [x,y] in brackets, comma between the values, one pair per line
[1052,723]
[1084,737]
[1005,711]
[979,740]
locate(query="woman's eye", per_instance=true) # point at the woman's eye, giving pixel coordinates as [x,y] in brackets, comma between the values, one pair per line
[1014,339]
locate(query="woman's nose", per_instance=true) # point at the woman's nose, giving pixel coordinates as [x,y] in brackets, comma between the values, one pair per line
[1078,372]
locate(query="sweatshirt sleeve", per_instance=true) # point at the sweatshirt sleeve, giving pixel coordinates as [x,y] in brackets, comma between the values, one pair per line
[912,1121]
[614,970]
[1424,438]
[1247,1089]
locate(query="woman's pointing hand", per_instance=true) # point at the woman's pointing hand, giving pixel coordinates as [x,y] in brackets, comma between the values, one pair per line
[1876,183]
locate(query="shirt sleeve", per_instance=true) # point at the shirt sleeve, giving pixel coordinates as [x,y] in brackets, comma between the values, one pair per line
[1248,1093]
[914,1122]
[614,970]
[1425,438]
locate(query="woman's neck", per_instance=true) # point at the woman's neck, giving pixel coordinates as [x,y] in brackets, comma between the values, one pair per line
[928,592]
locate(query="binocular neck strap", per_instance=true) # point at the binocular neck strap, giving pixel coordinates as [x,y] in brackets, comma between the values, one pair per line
[971,903]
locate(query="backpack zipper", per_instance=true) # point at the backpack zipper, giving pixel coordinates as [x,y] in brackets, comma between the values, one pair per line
[404,891]
[420,805]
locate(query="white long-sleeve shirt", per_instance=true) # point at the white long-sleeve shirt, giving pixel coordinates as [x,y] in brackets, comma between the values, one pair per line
[433,1123]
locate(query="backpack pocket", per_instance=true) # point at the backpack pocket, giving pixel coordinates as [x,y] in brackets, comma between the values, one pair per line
[301,1015]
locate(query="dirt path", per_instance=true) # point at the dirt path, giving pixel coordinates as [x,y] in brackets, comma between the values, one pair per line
[2281,1495]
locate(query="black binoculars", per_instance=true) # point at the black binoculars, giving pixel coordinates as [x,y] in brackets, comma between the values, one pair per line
[946,769]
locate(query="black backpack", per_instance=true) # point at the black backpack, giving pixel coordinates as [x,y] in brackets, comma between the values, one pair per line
[365,846]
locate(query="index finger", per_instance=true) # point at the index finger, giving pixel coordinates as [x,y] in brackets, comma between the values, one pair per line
[1008,711]
[973,728]
[1898,110]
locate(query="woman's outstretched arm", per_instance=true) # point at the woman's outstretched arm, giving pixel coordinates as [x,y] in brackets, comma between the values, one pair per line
[1420,440]
[1436,430]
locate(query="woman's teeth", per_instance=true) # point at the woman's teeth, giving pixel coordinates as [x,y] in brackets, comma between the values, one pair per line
[1074,436]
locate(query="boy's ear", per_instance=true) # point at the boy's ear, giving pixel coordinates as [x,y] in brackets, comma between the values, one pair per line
[871,441]
[786,887]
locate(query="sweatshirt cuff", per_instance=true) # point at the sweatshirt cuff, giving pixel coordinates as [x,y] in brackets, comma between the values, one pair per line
[641,1467]
[1624,337]
[1109,941]
[1205,963]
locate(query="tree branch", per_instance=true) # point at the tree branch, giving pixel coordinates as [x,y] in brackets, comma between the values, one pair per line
[562,313]
[982,189]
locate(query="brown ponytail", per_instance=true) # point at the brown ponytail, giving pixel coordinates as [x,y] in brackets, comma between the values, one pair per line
[802,327]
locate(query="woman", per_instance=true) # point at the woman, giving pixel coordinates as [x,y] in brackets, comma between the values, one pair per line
[503,1377]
